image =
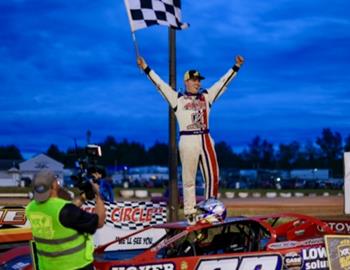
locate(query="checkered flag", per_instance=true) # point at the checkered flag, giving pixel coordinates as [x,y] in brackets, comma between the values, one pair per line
[145,13]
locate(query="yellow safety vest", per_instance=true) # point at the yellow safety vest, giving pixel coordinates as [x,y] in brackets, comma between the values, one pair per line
[57,247]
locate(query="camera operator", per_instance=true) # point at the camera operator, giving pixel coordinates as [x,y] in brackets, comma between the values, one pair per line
[105,184]
[61,230]
[89,172]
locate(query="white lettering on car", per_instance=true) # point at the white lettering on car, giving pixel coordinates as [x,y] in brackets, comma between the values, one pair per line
[163,266]
[339,227]
[12,216]
[268,262]
[314,253]
[224,264]
[264,263]
[315,258]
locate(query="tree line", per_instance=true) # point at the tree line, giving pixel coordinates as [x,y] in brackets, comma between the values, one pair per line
[326,151]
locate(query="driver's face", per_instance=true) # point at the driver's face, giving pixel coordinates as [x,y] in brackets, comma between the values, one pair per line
[193,85]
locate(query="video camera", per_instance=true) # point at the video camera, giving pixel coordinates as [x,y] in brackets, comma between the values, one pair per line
[88,171]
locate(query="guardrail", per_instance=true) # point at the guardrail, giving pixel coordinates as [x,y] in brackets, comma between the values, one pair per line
[15,195]
[144,193]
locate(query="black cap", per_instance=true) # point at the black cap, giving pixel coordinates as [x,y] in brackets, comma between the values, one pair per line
[193,74]
[42,185]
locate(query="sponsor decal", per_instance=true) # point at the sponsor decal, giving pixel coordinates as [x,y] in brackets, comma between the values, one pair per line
[195,105]
[12,216]
[160,266]
[293,261]
[282,245]
[315,258]
[136,241]
[142,240]
[338,251]
[293,244]
[344,254]
[312,242]
[125,217]
[184,265]
[197,121]
[340,226]
[134,214]
[129,214]
[264,262]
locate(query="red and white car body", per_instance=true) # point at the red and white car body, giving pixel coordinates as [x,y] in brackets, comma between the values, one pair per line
[270,242]
[283,241]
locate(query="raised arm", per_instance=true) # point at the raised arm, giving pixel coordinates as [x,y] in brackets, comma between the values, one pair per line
[164,89]
[217,89]
[100,209]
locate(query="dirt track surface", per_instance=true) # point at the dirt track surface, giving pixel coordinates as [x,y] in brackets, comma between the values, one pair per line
[321,206]
[13,201]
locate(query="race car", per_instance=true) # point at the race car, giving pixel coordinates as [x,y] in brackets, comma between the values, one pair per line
[273,242]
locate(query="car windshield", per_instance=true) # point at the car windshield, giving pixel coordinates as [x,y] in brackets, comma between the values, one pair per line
[241,236]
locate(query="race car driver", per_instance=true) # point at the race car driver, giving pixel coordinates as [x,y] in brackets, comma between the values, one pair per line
[192,109]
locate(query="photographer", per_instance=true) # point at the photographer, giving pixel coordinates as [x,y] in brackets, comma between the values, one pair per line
[61,230]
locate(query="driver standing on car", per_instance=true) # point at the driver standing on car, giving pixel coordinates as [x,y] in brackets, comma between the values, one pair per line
[62,232]
[196,147]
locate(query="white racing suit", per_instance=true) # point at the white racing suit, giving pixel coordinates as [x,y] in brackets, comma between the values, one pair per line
[196,145]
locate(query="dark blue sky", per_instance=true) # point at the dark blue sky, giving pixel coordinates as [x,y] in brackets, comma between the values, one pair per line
[70,66]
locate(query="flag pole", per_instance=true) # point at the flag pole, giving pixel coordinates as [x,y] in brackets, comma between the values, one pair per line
[174,205]
[134,41]
[132,29]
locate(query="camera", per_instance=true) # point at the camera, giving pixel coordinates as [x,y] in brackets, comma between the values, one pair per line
[88,171]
